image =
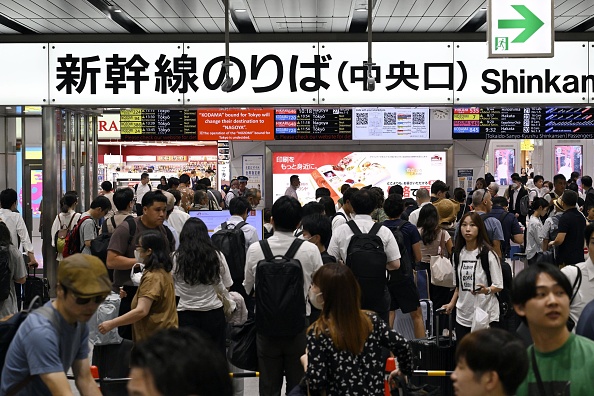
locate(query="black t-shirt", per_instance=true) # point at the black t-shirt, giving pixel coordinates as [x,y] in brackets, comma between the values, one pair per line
[573,224]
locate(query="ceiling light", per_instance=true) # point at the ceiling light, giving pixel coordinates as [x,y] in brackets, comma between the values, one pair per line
[361,9]
[483,8]
[240,10]
[117,10]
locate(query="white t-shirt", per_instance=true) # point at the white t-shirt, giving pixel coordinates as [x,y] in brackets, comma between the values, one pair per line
[471,274]
[585,293]
[534,237]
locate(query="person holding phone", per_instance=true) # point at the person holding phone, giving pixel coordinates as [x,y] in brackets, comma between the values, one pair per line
[472,252]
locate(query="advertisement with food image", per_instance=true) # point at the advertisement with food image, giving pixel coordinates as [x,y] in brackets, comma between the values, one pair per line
[411,170]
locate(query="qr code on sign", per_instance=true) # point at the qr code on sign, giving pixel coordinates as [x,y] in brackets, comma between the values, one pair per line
[362,118]
[390,119]
[418,118]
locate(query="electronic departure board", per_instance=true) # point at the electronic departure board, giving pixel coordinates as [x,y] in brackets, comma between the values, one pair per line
[523,123]
[159,124]
[313,124]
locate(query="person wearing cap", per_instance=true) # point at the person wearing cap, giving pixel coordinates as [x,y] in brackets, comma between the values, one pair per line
[242,184]
[447,211]
[48,344]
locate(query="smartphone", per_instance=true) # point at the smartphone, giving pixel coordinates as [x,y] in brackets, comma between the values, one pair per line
[438,310]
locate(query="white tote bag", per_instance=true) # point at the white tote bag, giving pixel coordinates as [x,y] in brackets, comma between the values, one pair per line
[442,270]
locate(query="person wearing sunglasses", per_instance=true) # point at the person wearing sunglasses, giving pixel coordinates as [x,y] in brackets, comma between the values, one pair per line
[55,337]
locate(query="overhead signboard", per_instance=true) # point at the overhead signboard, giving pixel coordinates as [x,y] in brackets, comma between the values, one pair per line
[520,28]
[313,124]
[23,74]
[235,124]
[391,123]
[157,124]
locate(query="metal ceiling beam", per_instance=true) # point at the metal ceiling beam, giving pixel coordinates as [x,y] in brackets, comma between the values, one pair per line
[582,27]
[9,23]
[474,23]
[118,17]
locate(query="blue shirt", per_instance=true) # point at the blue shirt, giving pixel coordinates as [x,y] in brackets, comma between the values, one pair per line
[410,234]
[39,348]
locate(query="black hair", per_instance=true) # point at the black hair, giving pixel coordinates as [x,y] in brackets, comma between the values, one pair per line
[558,177]
[205,181]
[200,186]
[287,213]
[316,224]
[537,178]
[172,182]
[7,198]
[500,201]
[122,198]
[396,189]
[570,198]
[176,194]
[163,178]
[574,175]
[267,213]
[151,197]
[394,206]
[489,178]
[538,203]
[197,259]
[70,199]
[199,196]
[184,179]
[322,192]
[329,206]
[410,202]
[573,187]
[344,187]
[238,206]
[588,233]
[144,176]
[379,196]
[101,202]
[439,186]
[516,177]
[495,350]
[363,202]
[106,185]
[183,362]
[429,222]
[311,208]
[4,235]
[481,181]
[586,181]
[524,284]
[346,196]
[293,178]
[160,257]
[482,239]
[459,194]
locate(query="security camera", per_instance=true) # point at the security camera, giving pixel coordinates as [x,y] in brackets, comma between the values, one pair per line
[370,83]
[227,84]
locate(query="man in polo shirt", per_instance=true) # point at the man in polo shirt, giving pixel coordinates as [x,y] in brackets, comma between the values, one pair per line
[572,225]
[291,191]
[423,198]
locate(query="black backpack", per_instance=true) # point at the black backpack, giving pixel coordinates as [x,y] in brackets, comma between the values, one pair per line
[280,303]
[100,244]
[395,276]
[231,242]
[367,259]
[5,275]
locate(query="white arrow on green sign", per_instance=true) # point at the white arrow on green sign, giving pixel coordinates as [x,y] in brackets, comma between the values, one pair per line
[531,23]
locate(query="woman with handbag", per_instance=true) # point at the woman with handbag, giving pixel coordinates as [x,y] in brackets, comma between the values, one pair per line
[474,299]
[201,277]
[344,346]
[436,243]
[153,306]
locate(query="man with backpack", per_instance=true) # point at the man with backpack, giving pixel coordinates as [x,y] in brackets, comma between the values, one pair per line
[368,248]
[86,227]
[509,224]
[346,210]
[55,337]
[281,285]
[140,189]
[401,285]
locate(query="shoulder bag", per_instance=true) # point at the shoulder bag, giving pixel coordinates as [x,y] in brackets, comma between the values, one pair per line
[442,270]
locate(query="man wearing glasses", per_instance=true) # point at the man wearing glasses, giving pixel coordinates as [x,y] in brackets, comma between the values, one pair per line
[55,338]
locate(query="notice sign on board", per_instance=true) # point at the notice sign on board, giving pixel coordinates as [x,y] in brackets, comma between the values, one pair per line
[313,124]
[391,123]
[235,124]
[157,124]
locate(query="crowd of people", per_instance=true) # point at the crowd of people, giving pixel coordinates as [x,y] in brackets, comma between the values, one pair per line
[322,287]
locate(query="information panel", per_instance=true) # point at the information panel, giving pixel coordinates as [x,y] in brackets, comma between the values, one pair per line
[523,123]
[391,123]
[313,124]
[158,124]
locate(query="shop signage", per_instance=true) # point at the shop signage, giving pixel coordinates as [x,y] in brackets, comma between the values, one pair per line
[141,158]
[235,124]
[172,158]
[520,28]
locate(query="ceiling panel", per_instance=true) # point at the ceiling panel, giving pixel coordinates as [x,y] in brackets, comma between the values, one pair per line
[385,7]
[275,9]
[7,30]
[409,24]
[214,8]
[340,25]
[196,8]
[163,8]
[276,25]
[129,8]
[263,25]
[147,8]
[309,8]
[258,8]
[325,8]
[342,8]
[148,25]
[110,25]
[16,7]
[195,25]
[455,24]
[180,8]
[210,25]
[403,7]
[61,11]
[420,7]
[379,23]
[573,22]
[424,24]
[31,24]
[291,8]
[9,12]
[436,7]
[164,25]
[31,6]
[79,25]
[439,24]
[471,7]
[394,24]
[581,8]
[78,8]
[452,8]
[179,25]
[566,6]
[561,20]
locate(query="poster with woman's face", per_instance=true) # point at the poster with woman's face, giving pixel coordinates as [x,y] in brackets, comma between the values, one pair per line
[568,159]
[505,164]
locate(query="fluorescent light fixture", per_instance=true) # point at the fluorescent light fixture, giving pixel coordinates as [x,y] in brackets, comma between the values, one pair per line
[240,10]
[117,10]
[361,9]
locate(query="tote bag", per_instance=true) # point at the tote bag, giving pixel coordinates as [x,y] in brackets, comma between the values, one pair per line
[442,270]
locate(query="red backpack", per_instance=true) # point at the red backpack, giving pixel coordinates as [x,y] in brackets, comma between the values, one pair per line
[72,241]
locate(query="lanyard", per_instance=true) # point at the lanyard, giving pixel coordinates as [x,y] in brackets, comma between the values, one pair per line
[541,388]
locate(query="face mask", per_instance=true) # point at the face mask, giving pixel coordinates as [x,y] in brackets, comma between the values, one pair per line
[135,277]
[137,256]
[314,299]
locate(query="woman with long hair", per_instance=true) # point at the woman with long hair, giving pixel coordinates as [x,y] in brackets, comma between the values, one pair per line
[433,238]
[344,346]
[153,306]
[200,275]
[18,271]
[65,220]
[472,291]
[163,185]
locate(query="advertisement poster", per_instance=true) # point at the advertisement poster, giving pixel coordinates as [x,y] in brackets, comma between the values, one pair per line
[568,159]
[223,176]
[253,168]
[358,169]
[465,177]
[505,162]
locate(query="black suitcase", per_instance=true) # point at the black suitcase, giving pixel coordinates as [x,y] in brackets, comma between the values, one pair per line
[35,286]
[113,361]
[435,353]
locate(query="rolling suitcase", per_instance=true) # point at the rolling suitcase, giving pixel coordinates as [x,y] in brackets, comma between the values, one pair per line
[35,286]
[436,353]
[404,324]
[113,361]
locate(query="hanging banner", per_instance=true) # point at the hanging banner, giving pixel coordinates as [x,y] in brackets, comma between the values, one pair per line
[253,168]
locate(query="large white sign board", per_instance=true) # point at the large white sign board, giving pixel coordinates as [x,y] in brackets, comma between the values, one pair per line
[520,28]
[23,74]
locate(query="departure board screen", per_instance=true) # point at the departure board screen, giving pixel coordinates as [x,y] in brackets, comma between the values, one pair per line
[523,123]
[158,124]
[313,124]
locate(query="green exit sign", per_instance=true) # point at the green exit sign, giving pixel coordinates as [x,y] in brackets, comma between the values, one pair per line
[520,28]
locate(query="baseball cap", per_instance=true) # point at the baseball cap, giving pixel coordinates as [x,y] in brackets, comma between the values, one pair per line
[242,179]
[85,275]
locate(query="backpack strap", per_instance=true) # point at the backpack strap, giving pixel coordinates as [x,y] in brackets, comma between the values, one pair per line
[294,247]
[354,227]
[375,229]
[578,283]
[484,256]
[132,226]
[266,250]
[224,226]
[398,227]
[239,225]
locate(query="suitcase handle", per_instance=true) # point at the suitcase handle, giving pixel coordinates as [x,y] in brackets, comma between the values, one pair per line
[450,342]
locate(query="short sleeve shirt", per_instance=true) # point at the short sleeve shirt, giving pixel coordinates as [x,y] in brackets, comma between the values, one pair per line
[187,197]
[17,271]
[88,232]
[573,224]
[158,286]
[409,232]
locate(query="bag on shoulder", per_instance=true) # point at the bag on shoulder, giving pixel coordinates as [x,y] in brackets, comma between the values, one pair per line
[367,259]
[280,302]
[72,241]
[61,234]
[5,274]
[231,242]
[525,205]
[100,244]
[406,263]
[442,270]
